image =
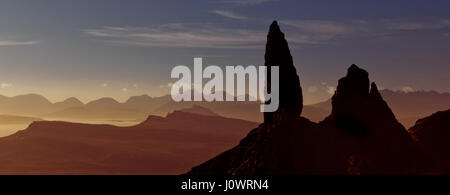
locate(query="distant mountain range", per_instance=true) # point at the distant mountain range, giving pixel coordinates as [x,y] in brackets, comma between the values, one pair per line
[355,132]
[159,145]
[408,107]
[136,107]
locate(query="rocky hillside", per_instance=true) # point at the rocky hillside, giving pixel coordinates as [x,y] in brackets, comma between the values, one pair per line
[361,136]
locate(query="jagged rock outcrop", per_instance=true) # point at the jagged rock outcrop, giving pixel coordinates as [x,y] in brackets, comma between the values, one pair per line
[367,138]
[361,136]
[350,103]
[278,54]
[432,135]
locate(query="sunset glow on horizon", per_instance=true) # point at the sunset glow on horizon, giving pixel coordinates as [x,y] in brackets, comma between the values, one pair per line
[91,50]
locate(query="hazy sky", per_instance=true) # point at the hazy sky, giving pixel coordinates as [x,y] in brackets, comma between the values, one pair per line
[95,48]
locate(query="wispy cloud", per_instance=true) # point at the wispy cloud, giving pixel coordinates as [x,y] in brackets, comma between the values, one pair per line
[331,90]
[196,35]
[425,24]
[247,2]
[168,85]
[312,89]
[319,26]
[407,89]
[17,43]
[229,14]
[187,35]
[210,35]
[6,85]
[316,31]
[322,31]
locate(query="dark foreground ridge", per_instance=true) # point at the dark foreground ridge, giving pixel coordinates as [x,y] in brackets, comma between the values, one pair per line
[361,136]
[432,135]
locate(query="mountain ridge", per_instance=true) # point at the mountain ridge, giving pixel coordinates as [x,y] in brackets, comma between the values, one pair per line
[159,145]
[408,107]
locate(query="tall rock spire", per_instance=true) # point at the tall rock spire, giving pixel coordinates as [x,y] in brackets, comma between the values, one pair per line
[278,54]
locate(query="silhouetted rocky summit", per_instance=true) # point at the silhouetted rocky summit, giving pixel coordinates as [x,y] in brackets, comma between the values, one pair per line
[278,54]
[361,136]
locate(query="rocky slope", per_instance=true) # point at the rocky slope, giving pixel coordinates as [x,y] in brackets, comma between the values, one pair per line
[361,136]
[432,135]
[366,137]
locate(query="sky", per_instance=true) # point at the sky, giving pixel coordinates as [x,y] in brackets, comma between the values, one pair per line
[116,48]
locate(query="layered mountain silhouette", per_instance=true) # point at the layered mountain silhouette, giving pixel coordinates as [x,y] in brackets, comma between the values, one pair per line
[159,145]
[360,136]
[136,107]
[68,103]
[243,110]
[354,132]
[408,107]
[199,110]
[25,105]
